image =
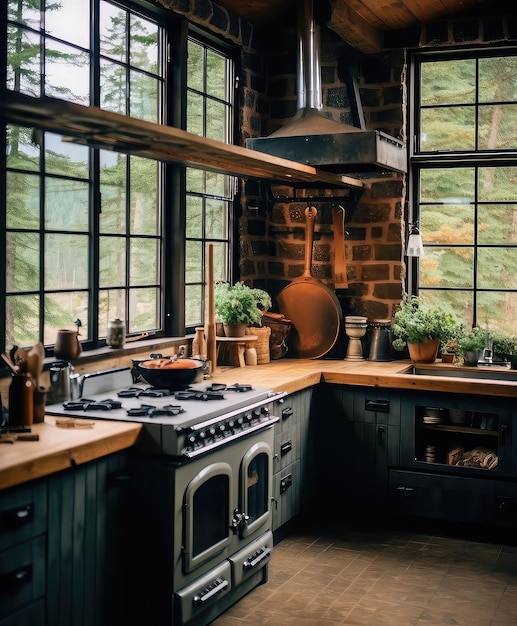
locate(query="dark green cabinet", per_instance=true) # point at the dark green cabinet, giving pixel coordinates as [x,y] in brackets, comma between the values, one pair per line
[356,434]
[63,547]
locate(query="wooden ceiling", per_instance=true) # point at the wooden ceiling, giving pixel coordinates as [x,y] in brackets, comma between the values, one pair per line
[358,22]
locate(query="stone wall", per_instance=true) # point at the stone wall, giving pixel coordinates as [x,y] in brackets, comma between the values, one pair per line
[272,234]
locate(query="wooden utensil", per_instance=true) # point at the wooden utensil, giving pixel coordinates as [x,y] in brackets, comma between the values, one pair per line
[312,307]
[211,344]
[338,220]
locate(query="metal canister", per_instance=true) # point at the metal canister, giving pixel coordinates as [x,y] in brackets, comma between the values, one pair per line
[116,335]
[380,341]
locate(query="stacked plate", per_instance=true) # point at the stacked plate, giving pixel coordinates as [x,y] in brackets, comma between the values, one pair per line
[432,416]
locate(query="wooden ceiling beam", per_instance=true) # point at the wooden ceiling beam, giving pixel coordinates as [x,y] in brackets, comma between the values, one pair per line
[354,29]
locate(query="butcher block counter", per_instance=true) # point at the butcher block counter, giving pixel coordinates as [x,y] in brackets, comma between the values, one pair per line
[61,448]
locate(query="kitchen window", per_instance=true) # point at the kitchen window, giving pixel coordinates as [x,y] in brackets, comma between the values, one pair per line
[89,232]
[463,184]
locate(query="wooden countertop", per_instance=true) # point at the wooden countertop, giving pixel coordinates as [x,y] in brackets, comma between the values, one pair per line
[294,374]
[60,448]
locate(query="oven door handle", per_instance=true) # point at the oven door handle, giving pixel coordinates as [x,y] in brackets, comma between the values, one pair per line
[218,586]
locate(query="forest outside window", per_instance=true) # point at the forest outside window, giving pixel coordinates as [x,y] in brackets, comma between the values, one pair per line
[464,191]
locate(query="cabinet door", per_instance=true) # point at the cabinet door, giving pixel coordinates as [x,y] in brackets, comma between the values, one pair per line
[84,545]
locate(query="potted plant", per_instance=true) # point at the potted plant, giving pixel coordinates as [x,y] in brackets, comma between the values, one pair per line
[238,306]
[504,347]
[421,328]
[472,345]
[450,347]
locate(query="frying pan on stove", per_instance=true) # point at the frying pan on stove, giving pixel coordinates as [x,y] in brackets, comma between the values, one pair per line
[313,309]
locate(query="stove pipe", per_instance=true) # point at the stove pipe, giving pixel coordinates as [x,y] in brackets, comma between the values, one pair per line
[313,139]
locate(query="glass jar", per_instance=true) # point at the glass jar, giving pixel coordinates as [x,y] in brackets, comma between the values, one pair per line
[116,335]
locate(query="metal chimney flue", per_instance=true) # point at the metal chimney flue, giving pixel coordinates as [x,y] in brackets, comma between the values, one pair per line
[314,139]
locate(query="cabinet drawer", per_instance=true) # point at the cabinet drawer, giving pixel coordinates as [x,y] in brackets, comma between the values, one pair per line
[22,575]
[23,514]
[286,494]
[453,498]
[286,448]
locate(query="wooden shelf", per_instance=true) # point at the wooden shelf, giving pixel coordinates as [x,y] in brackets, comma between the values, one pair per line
[95,127]
[460,429]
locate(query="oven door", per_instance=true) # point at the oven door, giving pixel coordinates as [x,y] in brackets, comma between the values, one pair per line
[226,501]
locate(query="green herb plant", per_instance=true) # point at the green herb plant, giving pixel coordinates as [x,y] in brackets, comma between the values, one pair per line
[240,304]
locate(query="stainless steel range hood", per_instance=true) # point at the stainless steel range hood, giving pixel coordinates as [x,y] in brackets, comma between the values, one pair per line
[310,137]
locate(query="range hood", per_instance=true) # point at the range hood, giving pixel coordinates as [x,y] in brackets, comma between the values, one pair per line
[310,137]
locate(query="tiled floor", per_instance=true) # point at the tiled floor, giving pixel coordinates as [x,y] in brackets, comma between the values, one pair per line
[361,577]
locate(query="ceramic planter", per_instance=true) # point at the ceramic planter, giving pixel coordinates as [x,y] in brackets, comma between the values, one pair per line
[424,352]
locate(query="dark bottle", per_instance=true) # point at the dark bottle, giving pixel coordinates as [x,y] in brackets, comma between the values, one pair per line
[21,400]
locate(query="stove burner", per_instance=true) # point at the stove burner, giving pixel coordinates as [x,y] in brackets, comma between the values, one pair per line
[198,395]
[234,387]
[136,392]
[88,405]
[152,411]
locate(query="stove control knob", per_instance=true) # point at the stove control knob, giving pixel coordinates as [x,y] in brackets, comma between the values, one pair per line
[221,428]
[230,424]
[211,430]
[201,436]
[248,418]
[191,439]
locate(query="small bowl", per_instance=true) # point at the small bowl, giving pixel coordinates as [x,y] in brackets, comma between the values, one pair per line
[168,374]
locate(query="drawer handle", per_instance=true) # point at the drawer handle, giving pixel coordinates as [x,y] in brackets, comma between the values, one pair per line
[14,579]
[287,412]
[15,518]
[285,483]
[286,447]
[405,492]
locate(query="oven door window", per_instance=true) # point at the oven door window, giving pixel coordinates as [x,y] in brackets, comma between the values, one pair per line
[256,481]
[206,515]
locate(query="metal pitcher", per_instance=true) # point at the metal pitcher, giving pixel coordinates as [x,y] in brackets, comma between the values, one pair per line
[65,384]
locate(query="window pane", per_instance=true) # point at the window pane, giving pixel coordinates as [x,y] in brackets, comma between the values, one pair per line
[22,320]
[144,261]
[451,185]
[497,224]
[194,261]
[23,62]
[195,66]
[70,23]
[65,308]
[498,127]
[498,79]
[23,11]
[113,85]
[144,97]
[216,79]
[66,204]
[22,262]
[193,304]
[144,44]
[67,73]
[65,158]
[112,303]
[113,32]
[66,261]
[497,268]
[22,200]
[22,150]
[447,267]
[448,82]
[112,261]
[144,185]
[497,184]
[144,309]
[447,128]
[498,310]
[194,221]
[458,302]
[113,192]
[216,222]
[216,113]
[447,224]
[195,114]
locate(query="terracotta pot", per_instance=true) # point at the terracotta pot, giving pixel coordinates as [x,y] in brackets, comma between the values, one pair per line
[448,357]
[235,330]
[424,352]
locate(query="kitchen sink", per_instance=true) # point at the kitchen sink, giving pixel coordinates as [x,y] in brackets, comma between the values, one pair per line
[457,372]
